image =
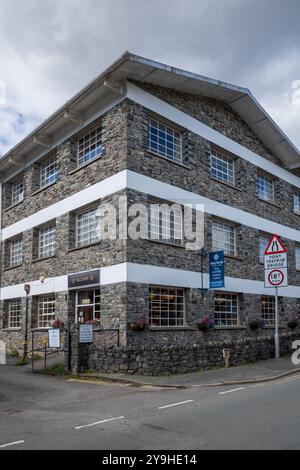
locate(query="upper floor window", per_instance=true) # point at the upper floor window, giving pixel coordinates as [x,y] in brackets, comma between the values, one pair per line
[297,256]
[223,238]
[14,313]
[166,306]
[87,228]
[49,171]
[47,241]
[268,310]
[46,311]
[226,309]
[17,191]
[165,141]
[297,203]
[222,167]
[90,146]
[265,188]
[165,223]
[263,245]
[16,248]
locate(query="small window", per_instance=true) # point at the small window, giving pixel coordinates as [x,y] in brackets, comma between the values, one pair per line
[46,311]
[222,168]
[88,306]
[49,171]
[265,188]
[17,192]
[14,314]
[226,309]
[263,245]
[297,256]
[223,238]
[90,146]
[16,255]
[47,241]
[166,306]
[268,310]
[87,228]
[165,223]
[165,141]
[297,203]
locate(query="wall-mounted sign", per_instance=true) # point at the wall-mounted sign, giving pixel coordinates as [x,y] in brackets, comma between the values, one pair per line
[86,334]
[90,278]
[216,270]
[54,338]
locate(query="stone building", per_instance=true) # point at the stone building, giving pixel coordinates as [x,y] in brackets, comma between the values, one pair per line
[148,134]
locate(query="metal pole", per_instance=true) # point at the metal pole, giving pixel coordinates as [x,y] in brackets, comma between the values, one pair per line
[277,340]
[25,353]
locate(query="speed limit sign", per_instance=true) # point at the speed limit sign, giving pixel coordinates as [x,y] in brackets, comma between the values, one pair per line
[276,278]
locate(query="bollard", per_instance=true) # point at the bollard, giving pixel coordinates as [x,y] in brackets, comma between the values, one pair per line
[226,356]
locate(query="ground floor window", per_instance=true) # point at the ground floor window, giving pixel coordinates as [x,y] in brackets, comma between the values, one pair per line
[166,306]
[14,314]
[226,309]
[268,310]
[87,305]
[46,311]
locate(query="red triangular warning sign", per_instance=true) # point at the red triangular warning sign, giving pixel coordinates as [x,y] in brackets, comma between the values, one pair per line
[275,246]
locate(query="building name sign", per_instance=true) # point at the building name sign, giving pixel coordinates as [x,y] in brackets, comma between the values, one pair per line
[90,278]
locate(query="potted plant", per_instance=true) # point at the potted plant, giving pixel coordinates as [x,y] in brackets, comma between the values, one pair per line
[205,324]
[58,324]
[138,325]
[293,324]
[96,323]
[256,324]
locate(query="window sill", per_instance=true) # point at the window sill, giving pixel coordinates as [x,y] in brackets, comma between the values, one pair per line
[237,327]
[77,248]
[11,330]
[13,205]
[232,186]
[174,245]
[87,163]
[40,190]
[237,258]
[171,328]
[273,327]
[43,259]
[272,203]
[10,268]
[182,165]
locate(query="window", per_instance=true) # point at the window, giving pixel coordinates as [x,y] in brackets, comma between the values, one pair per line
[88,305]
[14,314]
[16,248]
[165,223]
[90,146]
[166,306]
[223,238]
[87,228]
[268,310]
[265,188]
[49,171]
[222,167]
[47,241]
[17,192]
[165,141]
[297,256]
[46,311]
[226,309]
[263,245]
[297,203]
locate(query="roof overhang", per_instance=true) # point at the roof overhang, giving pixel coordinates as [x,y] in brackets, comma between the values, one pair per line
[108,86]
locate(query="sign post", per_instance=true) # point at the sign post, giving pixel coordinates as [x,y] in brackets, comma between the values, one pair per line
[276,275]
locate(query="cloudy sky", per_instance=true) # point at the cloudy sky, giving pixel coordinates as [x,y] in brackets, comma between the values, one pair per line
[49,49]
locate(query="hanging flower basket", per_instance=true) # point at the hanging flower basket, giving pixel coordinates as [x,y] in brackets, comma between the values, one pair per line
[138,325]
[96,324]
[206,324]
[58,324]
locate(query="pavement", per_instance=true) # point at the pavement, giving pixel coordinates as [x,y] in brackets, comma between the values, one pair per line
[261,371]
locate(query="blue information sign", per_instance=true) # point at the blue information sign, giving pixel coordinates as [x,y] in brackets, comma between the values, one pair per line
[216,270]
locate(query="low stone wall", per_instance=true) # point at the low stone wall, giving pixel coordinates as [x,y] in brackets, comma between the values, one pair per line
[155,360]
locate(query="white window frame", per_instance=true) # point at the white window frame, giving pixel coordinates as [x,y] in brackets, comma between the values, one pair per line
[168,144]
[297,257]
[160,306]
[15,252]
[90,146]
[297,203]
[165,224]
[265,187]
[87,240]
[96,303]
[14,314]
[227,317]
[268,310]
[47,241]
[17,192]
[49,171]
[222,168]
[220,245]
[262,246]
[46,311]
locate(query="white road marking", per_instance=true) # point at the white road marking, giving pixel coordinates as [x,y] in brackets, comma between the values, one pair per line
[11,444]
[98,422]
[175,404]
[231,391]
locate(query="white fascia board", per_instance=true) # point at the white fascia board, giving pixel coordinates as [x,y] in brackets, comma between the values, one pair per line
[173,114]
[147,274]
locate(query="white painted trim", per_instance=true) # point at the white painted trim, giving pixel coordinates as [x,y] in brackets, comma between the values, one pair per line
[173,114]
[147,274]
[135,181]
